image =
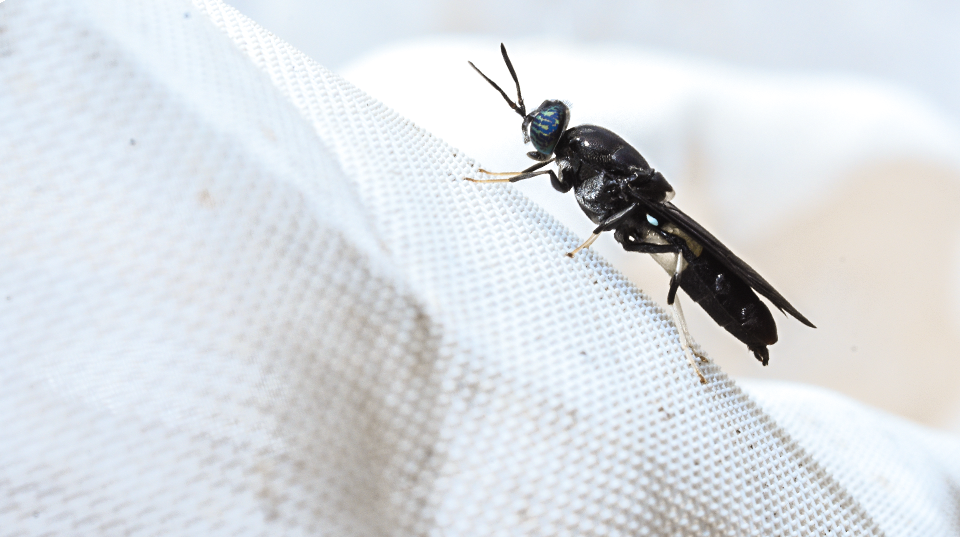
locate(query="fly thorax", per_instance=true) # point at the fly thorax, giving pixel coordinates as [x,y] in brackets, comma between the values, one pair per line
[593,196]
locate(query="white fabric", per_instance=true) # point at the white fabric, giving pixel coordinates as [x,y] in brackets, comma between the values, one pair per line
[241,297]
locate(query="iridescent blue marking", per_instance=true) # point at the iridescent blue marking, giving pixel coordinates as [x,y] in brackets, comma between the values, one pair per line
[653,221]
[547,126]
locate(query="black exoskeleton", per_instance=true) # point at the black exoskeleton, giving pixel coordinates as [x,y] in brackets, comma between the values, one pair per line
[620,192]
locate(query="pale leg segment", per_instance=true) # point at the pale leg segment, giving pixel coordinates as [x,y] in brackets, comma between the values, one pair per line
[499,174]
[507,180]
[681,323]
[507,175]
[510,177]
[586,244]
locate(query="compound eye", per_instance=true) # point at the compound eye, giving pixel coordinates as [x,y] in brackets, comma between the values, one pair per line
[547,125]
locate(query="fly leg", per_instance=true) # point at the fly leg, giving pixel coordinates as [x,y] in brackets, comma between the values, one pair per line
[678,318]
[607,224]
[586,244]
[632,243]
[513,177]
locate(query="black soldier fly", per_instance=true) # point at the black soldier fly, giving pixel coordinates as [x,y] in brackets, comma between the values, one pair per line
[620,192]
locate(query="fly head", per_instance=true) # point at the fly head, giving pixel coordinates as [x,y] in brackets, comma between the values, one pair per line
[543,126]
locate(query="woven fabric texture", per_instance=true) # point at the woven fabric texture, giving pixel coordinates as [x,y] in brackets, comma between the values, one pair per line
[241,297]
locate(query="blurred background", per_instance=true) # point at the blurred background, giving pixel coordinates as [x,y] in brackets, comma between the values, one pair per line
[911,43]
[818,140]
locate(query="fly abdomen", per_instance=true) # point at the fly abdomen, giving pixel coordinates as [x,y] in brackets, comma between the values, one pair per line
[730,302]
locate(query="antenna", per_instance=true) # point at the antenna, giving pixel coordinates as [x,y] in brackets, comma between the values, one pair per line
[518,107]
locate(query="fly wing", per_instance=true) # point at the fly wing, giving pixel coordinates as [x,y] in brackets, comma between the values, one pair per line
[668,212]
